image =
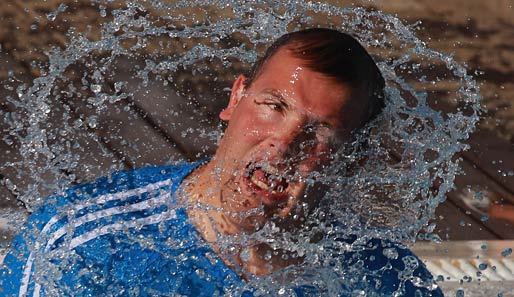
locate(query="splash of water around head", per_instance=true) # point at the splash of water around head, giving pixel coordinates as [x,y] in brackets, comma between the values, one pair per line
[404,169]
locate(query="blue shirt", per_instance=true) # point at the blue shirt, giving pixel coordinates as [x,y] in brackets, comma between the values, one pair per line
[125,235]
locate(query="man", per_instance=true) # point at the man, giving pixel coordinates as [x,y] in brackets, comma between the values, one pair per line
[185,229]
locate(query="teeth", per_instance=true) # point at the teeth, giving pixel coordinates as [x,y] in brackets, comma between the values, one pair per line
[259,183]
[270,170]
[264,186]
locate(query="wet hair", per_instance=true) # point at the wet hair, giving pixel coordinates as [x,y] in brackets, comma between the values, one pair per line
[336,55]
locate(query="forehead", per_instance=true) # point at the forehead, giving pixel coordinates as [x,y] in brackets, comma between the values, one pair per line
[306,90]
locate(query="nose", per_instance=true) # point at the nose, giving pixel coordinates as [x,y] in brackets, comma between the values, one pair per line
[294,141]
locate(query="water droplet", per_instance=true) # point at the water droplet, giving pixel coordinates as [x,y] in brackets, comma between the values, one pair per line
[507,252]
[119,85]
[96,88]
[245,255]
[92,121]
[200,273]
[77,123]
[391,253]
[51,16]
[467,278]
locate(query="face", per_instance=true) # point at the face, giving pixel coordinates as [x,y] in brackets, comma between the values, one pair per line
[280,130]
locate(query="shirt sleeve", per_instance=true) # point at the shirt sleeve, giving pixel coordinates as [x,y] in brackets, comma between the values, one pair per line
[377,268]
[18,264]
[88,241]
[395,270]
[41,233]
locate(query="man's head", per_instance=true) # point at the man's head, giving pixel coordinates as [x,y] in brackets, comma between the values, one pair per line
[305,97]
[336,55]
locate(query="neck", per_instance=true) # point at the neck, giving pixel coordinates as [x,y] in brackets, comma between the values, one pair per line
[213,219]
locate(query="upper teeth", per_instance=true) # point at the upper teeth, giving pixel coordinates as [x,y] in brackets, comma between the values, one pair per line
[269,170]
[265,186]
[259,183]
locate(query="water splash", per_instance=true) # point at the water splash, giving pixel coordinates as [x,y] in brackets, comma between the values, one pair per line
[190,47]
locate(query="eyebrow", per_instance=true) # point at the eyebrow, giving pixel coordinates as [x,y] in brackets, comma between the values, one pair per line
[275,93]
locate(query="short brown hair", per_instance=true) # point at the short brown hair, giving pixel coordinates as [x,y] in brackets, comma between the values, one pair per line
[337,55]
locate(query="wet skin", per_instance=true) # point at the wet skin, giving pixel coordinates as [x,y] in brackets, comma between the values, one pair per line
[280,129]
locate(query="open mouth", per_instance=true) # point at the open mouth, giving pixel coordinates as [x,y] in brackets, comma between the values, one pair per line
[266,180]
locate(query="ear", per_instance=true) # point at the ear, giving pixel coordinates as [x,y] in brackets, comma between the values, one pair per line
[235,97]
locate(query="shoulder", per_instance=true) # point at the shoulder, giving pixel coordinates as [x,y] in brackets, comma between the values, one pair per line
[83,213]
[117,187]
[142,178]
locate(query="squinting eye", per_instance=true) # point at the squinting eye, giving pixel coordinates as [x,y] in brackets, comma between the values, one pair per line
[323,134]
[272,105]
[276,107]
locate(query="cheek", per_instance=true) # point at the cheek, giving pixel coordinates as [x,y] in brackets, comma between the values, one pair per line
[254,125]
[315,158]
[247,130]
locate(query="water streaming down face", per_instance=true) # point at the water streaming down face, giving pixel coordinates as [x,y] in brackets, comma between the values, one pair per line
[386,184]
